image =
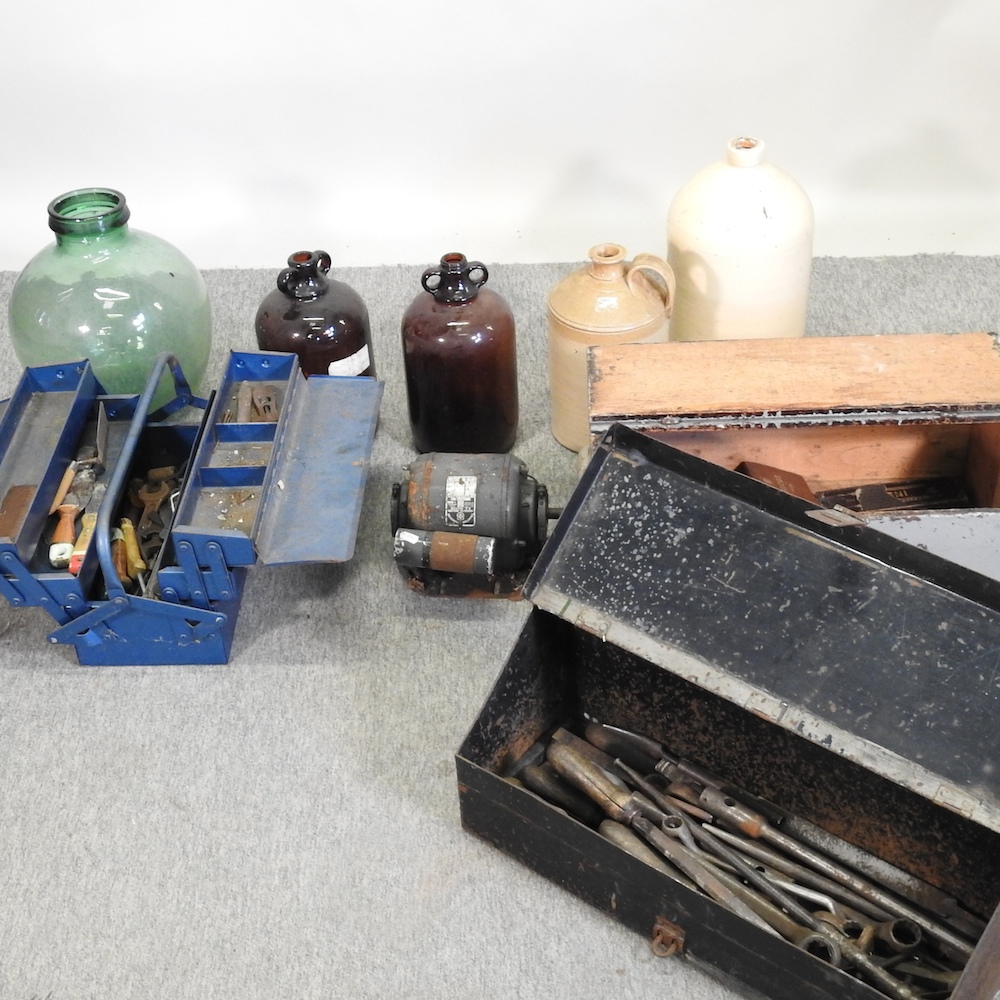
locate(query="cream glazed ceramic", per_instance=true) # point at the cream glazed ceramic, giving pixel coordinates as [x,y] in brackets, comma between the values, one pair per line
[739,237]
[608,301]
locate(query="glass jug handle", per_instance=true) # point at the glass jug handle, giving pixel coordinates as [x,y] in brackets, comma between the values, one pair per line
[305,269]
[484,275]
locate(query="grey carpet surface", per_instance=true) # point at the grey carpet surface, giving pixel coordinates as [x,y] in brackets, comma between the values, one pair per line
[286,825]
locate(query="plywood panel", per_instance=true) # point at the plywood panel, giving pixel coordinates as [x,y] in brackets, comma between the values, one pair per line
[793,376]
[983,468]
[830,457]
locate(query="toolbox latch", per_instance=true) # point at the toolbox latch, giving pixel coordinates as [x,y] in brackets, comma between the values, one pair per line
[592,623]
[668,938]
[92,628]
[214,581]
[836,517]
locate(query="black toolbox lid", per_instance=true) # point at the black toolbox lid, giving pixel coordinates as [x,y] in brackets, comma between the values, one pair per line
[868,646]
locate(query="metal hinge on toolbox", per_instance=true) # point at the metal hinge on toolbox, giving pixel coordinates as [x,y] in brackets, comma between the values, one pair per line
[250,475]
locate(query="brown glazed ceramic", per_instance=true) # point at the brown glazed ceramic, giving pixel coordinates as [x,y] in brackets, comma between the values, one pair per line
[609,301]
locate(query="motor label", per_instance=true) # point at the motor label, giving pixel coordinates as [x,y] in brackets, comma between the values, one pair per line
[460,502]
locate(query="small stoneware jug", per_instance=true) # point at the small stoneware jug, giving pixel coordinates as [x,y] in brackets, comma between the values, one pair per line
[609,301]
[739,237]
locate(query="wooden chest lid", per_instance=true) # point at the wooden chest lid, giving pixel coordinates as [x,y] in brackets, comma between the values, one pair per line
[948,372]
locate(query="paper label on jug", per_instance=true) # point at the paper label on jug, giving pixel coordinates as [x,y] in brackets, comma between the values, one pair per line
[358,362]
[460,501]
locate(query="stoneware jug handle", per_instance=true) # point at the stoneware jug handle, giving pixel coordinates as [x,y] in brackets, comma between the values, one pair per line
[650,262]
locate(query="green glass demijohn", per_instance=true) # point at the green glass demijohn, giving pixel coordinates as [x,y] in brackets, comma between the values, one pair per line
[109,293]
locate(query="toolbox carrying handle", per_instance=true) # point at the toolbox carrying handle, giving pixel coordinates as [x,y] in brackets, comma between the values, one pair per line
[184,397]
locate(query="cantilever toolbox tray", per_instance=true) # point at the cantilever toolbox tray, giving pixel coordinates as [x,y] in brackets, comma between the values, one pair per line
[840,675]
[245,477]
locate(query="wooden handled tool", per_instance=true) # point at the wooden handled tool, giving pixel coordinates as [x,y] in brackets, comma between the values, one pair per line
[134,562]
[119,556]
[87,525]
[63,487]
[74,495]
[64,534]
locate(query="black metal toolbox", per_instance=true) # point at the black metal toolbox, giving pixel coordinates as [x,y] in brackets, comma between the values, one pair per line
[844,677]
[272,469]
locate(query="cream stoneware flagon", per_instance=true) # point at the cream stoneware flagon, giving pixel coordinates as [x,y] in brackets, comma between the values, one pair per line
[739,237]
[608,301]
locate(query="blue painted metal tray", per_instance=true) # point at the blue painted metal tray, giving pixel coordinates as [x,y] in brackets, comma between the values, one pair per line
[253,490]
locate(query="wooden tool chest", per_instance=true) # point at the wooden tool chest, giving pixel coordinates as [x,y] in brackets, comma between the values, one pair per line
[844,677]
[837,411]
[271,469]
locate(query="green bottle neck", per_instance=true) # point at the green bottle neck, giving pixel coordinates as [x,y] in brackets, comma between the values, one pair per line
[89,215]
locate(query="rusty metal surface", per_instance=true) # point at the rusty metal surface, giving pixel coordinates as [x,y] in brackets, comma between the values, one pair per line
[932,843]
[809,625]
[430,583]
[557,673]
[452,552]
[668,938]
[657,579]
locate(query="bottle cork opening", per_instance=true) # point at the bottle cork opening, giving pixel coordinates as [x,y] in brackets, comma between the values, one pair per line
[744,151]
[607,253]
[88,211]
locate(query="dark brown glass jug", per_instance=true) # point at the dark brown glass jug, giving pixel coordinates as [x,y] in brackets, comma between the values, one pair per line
[322,320]
[460,358]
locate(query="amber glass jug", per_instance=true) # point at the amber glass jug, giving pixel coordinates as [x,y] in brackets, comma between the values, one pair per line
[322,320]
[460,359]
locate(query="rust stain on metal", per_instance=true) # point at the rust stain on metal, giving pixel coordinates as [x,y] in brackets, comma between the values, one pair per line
[14,509]
[452,552]
[418,495]
[627,459]
[668,938]
[508,756]
[797,776]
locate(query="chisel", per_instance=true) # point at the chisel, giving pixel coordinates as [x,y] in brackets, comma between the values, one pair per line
[64,533]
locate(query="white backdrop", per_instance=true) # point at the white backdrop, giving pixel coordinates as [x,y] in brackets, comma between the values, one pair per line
[522,130]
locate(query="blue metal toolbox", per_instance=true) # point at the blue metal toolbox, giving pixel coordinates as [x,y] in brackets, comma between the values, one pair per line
[182,499]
